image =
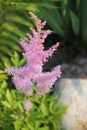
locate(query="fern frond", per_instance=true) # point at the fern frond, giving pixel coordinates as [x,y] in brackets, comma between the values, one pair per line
[14,24]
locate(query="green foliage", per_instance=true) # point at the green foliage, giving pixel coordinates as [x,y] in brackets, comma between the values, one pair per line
[45,114]
[75,23]
[14,60]
[3,76]
[68,19]
[14,23]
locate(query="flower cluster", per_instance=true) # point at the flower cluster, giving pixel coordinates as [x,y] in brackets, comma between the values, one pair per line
[32,72]
[27,105]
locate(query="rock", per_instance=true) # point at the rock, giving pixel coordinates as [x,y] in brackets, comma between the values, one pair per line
[82,61]
[73,93]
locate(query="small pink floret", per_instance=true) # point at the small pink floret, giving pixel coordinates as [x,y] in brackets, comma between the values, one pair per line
[27,105]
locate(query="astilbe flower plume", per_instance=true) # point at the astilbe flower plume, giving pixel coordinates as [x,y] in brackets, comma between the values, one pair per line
[27,105]
[32,72]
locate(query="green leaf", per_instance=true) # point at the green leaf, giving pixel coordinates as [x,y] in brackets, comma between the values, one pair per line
[9,97]
[20,106]
[6,50]
[12,28]
[19,19]
[17,124]
[4,84]
[51,98]
[13,92]
[51,107]
[24,128]
[83,25]
[35,115]
[5,35]
[60,111]
[78,3]
[53,23]
[23,6]
[6,104]
[15,59]
[30,125]
[37,125]
[3,77]
[44,109]
[8,128]
[1,71]
[52,119]
[7,63]
[65,9]
[11,43]
[75,23]
[22,62]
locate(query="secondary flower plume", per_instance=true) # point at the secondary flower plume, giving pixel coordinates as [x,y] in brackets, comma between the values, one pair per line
[32,72]
[27,105]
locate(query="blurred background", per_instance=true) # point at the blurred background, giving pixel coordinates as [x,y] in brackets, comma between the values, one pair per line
[66,18]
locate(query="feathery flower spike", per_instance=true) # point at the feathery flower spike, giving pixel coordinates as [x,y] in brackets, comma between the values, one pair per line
[35,54]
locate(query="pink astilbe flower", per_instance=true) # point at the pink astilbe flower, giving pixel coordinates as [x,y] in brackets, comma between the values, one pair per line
[46,80]
[27,105]
[32,72]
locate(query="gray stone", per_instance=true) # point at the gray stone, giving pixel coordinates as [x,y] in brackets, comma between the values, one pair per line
[82,61]
[73,92]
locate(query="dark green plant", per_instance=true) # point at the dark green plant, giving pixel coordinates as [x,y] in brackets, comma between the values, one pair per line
[41,112]
[45,114]
[14,23]
[68,19]
[3,76]
[14,60]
